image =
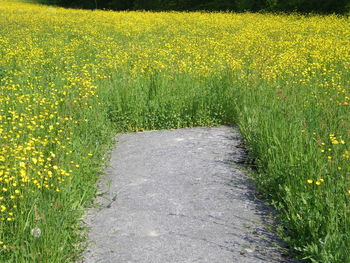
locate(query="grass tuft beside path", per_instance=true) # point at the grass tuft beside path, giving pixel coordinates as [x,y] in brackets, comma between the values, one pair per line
[70,79]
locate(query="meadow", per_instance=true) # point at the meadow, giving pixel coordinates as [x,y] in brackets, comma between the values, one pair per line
[71,79]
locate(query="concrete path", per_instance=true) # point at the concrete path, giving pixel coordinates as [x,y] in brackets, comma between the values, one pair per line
[179,196]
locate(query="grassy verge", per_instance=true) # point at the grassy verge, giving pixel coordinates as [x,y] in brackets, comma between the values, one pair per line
[66,90]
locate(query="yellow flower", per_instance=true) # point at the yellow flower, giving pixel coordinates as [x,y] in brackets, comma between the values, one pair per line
[318,183]
[23,173]
[310,181]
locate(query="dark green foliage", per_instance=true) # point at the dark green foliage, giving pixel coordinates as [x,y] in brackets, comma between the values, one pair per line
[252,5]
[307,6]
[304,6]
[87,4]
[118,4]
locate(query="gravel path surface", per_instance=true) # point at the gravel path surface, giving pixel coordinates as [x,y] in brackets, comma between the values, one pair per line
[179,196]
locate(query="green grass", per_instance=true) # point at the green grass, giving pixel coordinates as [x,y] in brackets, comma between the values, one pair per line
[283,134]
[272,130]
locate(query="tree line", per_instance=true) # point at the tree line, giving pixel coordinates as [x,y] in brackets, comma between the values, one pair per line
[304,6]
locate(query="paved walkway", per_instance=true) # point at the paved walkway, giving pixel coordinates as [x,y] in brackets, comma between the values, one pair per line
[179,196]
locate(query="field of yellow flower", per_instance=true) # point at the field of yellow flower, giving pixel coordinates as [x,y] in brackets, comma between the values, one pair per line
[70,79]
